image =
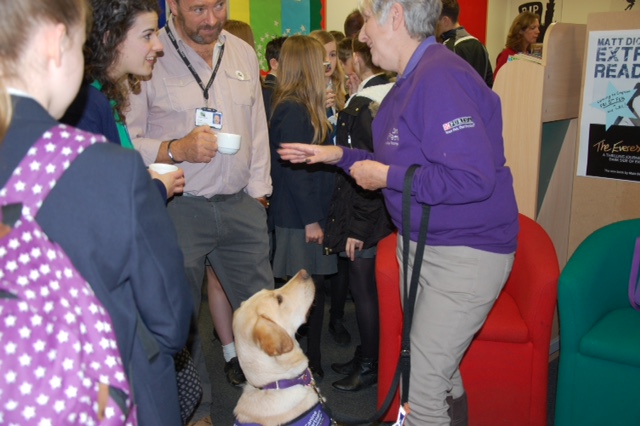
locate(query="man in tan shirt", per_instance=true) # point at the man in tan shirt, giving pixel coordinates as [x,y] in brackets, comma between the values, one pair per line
[206,71]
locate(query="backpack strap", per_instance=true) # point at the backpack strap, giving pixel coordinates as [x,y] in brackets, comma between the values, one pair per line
[465,38]
[486,53]
[53,153]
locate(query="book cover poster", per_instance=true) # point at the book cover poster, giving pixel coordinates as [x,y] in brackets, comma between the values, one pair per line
[610,120]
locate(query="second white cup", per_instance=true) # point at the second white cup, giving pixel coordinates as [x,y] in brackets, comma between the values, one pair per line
[162,168]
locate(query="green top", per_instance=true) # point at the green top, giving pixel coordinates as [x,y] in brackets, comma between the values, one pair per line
[125,139]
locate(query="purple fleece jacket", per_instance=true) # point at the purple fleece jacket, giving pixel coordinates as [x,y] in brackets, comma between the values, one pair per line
[443,117]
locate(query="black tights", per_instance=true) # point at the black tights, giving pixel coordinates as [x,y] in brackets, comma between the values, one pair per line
[362,282]
[339,288]
[316,317]
[360,277]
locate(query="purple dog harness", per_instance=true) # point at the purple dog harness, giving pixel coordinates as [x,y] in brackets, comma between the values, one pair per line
[56,338]
[315,416]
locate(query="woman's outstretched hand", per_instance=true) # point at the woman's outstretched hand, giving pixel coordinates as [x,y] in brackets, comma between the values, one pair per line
[310,154]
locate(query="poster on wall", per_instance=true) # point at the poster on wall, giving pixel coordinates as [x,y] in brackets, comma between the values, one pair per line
[610,120]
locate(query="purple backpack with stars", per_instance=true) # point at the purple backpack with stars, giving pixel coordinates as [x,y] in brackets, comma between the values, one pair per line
[59,358]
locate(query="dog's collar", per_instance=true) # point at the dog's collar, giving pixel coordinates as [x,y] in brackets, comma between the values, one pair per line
[305,379]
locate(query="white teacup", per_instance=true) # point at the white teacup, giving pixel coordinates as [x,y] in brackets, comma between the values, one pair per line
[228,143]
[162,168]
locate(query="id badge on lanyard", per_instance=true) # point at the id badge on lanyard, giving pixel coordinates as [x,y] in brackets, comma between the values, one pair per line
[208,117]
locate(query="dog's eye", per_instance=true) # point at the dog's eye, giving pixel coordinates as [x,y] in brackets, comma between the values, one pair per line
[279,299]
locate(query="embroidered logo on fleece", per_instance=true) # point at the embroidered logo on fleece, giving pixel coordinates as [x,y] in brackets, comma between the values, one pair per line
[458,124]
[393,138]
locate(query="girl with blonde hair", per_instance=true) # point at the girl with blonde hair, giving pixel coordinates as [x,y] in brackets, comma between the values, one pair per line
[334,75]
[300,200]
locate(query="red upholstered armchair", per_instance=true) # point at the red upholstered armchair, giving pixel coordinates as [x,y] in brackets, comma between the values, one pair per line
[505,370]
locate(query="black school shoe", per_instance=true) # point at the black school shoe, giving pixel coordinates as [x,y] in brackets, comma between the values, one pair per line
[234,373]
[366,375]
[346,368]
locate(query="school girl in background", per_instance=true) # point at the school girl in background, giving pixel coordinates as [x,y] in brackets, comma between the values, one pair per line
[301,195]
[358,220]
[336,97]
[334,76]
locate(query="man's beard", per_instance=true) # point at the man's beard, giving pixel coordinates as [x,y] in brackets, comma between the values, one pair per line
[195,35]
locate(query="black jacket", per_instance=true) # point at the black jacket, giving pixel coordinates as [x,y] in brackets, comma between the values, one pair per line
[301,192]
[471,50]
[355,212]
[268,86]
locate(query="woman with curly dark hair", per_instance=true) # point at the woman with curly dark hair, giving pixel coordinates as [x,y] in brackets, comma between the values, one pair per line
[121,48]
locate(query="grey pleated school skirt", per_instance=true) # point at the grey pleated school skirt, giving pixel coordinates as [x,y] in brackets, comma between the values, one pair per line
[292,253]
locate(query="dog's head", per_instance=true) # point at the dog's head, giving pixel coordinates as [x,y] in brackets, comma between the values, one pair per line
[264,328]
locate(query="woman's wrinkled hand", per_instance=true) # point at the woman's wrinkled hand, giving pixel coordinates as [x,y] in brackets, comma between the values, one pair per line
[370,174]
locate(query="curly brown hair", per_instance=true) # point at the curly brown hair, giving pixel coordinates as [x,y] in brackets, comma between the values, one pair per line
[112,20]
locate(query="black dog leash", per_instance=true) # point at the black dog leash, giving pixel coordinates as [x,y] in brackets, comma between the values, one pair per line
[404,362]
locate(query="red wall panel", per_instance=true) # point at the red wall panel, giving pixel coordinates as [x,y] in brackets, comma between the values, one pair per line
[473,16]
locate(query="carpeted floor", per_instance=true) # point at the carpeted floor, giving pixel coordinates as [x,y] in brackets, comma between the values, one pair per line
[343,404]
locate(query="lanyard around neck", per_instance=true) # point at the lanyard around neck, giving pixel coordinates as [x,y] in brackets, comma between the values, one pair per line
[205,89]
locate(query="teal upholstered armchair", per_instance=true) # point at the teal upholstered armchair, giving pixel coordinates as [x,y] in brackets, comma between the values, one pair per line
[599,373]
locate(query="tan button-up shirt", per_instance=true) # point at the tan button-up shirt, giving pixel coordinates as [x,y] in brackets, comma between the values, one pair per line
[166,108]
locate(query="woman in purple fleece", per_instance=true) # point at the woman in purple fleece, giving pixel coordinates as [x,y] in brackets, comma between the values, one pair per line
[443,117]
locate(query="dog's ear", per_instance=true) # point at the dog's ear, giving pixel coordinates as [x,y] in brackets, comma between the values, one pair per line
[272,338]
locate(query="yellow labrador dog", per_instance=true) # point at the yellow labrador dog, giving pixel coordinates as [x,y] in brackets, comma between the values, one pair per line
[280,389]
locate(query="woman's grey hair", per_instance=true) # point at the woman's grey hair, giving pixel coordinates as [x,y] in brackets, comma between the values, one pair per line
[420,16]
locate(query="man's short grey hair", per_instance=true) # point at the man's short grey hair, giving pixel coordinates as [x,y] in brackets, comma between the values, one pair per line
[421,16]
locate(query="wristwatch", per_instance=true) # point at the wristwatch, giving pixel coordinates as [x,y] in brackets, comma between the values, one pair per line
[169,151]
